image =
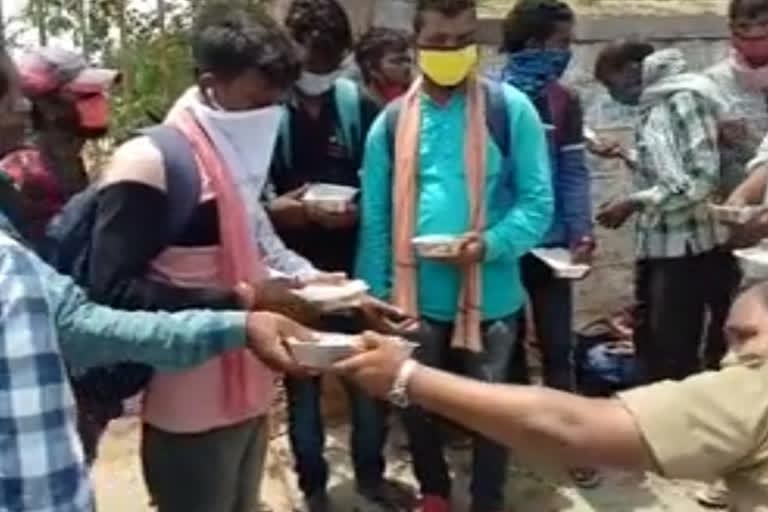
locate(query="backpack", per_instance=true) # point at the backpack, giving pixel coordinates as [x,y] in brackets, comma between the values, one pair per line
[68,240]
[496,116]
[347,98]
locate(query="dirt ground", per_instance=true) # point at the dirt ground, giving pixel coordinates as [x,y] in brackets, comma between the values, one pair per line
[119,486]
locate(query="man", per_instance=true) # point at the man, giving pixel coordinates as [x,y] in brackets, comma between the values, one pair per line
[47,320]
[476,143]
[537,35]
[699,428]
[537,38]
[69,107]
[677,175]
[742,78]
[205,429]
[384,58]
[315,146]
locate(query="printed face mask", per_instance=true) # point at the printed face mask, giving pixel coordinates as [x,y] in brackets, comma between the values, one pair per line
[448,68]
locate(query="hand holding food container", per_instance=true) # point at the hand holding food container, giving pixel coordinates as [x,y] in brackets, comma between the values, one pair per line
[455,249]
[561,262]
[748,225]
[331,206]
[328,349]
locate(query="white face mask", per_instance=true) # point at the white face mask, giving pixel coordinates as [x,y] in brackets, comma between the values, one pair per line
[245,140]
[313,84]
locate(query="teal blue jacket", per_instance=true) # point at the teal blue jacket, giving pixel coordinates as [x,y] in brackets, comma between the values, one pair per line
[518,197]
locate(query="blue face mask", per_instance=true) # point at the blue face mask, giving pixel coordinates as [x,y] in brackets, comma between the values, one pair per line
[533,70]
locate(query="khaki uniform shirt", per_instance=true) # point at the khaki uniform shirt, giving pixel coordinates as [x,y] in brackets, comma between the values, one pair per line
[708,426]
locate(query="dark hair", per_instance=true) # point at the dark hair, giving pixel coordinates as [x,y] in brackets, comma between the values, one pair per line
[376,44]
[450,8]
[322,25]
[533,19]
[230,40]
[747,8]
[614,56]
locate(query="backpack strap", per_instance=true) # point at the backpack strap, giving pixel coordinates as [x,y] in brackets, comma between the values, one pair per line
[285,144]
[347,99]
[182,175]
[497,116]
[391,118]
[557,100]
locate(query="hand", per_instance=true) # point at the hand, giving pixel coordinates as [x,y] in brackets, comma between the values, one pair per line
[276,295]
[343,220]
[613,215]
[736,200]
[749,234]
[583,251]
[605,148]
[472,250]
[386,318]
[267,335]
[287,211]
[376,367]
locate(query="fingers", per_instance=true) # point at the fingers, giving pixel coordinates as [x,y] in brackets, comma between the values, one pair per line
[290,329]
[299,192]
[246,295]
[355,363]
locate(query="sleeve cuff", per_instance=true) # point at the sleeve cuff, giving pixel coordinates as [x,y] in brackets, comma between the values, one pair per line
[235,329]
[493,246]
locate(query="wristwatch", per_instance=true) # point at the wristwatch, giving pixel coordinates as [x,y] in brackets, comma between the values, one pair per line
[398,395]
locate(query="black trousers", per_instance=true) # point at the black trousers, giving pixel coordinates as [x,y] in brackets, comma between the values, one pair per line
[682,306]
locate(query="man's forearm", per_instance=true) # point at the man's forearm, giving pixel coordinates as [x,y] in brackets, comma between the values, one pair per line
[543,423]
[93,335]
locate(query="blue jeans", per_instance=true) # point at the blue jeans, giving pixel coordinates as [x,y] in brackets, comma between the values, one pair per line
[489,465]
[307,435]
[552,304]
[306,428]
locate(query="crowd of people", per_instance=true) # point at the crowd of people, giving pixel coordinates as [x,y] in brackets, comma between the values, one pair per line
[174,273]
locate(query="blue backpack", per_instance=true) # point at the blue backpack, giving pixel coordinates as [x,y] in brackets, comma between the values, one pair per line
[67,245]
[347,97]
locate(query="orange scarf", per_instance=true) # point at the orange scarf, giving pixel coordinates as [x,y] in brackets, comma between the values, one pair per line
[467,332]
[241,261]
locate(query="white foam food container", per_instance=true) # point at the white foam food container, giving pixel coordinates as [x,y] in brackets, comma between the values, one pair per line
[561,262]
[330,348]
[333,297]
[437,246]
[754,262]
[734,214]
[330,198]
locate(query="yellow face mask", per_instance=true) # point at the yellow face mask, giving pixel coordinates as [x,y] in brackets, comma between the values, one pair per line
[448,67]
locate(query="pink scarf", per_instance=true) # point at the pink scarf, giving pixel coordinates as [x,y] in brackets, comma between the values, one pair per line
[241,261]
[754,78]
[466,333]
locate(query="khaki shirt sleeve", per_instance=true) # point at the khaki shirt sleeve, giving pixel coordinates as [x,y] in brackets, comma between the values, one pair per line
[706,426]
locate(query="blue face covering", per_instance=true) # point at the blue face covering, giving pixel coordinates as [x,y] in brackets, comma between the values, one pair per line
[533,70]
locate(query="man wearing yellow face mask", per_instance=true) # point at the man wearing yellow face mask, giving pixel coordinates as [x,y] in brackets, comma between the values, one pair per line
[466,160]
